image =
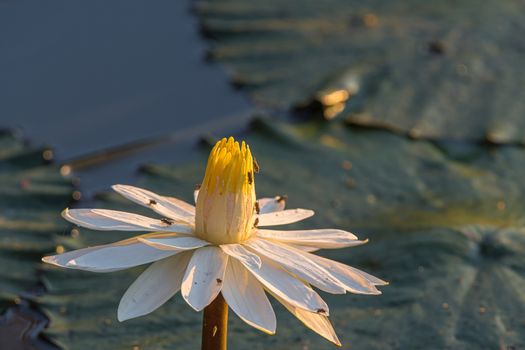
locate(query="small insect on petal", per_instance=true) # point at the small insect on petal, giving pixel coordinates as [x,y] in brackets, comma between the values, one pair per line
[167,221]
[282,198]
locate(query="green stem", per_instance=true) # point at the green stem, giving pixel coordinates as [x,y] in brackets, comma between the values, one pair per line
[215,325]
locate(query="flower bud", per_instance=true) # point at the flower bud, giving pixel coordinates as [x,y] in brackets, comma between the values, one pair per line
[226,200]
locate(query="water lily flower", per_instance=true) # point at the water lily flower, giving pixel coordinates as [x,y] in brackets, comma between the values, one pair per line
[222,246]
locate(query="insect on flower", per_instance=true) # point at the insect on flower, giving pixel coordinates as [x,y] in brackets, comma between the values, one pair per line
[222,245]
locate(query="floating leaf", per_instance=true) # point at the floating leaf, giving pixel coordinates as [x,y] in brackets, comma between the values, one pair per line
[445,224]
[439,70]
[32,195]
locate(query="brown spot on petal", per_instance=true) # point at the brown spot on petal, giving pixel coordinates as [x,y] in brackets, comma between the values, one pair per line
[219,281]
[152,202]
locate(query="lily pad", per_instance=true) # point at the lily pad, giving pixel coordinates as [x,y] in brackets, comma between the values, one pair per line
[439,70]
[445,224]
[33,192]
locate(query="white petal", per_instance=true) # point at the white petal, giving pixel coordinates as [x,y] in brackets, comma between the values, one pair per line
[284,217]
[304,248]
[286,286]
[196,195]
[160,204]
[156,285]
[175,243]
[238,252]
[269,205]
[182,205]
[246,297]
[324,238]
[354,280]
[320,324]
[298,263]
[113,220]
[372,279]
[204,277]
[109,257]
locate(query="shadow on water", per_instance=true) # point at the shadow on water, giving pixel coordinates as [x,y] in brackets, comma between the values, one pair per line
[88,77]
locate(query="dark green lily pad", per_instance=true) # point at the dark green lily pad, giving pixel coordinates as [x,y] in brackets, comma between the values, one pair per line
[439,70]
[445,223]
[32,194]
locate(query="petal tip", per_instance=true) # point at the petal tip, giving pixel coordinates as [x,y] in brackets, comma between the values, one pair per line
[65,213]
[121,317]
[48,259]
[269,331]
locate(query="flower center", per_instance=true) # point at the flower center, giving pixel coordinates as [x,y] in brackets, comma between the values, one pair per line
[226,201]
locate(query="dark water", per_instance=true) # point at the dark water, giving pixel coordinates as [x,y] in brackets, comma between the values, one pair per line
[109,85]
[84,76]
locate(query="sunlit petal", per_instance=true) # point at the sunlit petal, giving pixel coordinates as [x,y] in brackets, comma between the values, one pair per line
[204,277]
[196,195]
[316,322]
[238,252]
[324,238]
[160,204]
[156,285]
[354,280]
[109,257]
[246,297]
[286,286]
[174,243]
[298,263]
[113,220]
[304,248]
[269,205]
[284,217]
